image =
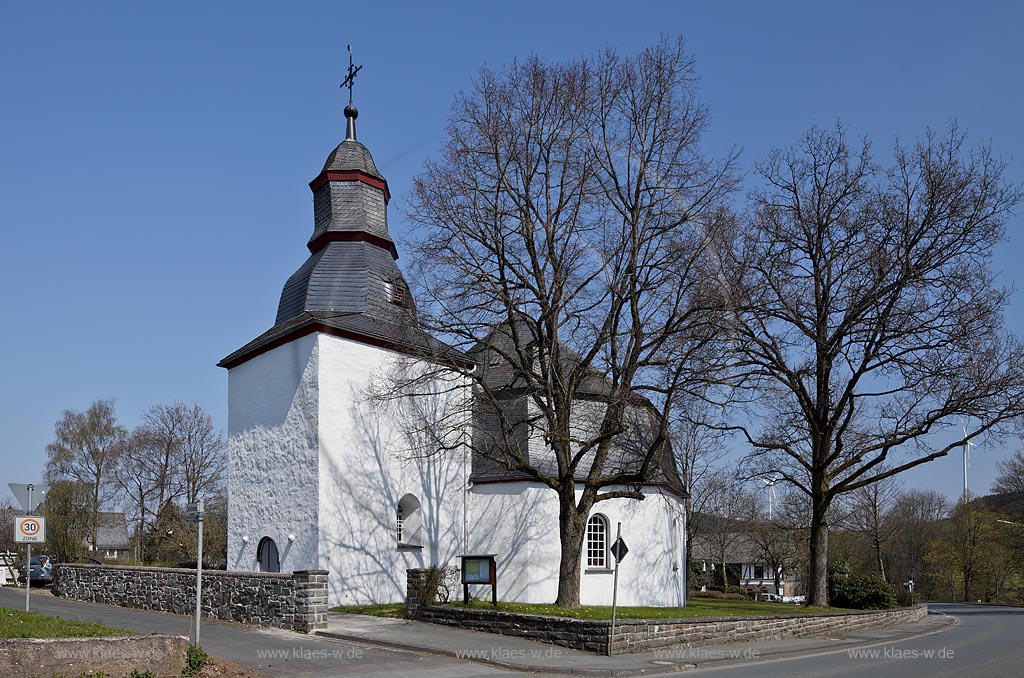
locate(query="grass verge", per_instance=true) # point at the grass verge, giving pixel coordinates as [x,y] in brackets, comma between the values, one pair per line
[695,608]
[20,624]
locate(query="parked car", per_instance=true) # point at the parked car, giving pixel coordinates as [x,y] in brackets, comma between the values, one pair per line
[771,597]
[795,600]
[42,571]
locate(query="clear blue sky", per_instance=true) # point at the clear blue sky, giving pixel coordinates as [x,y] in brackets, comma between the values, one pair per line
[155,156]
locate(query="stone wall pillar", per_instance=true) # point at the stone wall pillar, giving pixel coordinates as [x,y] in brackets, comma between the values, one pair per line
[415,583]
[310,600]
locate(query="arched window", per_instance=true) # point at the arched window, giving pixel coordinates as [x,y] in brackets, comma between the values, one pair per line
[266,554]
[409,521]
[597,541]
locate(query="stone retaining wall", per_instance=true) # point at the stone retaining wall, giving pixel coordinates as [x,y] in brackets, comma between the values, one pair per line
[293,600]
[639,635]
[116,657]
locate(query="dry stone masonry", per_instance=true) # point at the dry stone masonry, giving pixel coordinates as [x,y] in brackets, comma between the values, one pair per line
[293,600]
[639,635]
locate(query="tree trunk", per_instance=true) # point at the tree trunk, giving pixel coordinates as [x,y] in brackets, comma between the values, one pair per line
[817,586]
[689,561]
[878,556]
[571,532]
[94,523]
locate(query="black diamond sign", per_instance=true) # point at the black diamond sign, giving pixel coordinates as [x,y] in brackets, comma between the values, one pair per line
[619,550]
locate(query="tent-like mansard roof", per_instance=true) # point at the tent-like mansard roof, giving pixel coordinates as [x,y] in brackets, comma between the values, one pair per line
[512,395]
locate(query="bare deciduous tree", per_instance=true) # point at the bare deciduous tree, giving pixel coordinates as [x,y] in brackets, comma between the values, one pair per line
[86,449]
[1010,481]
[777,540]
[139,474]
[573,208]
[203,464]
[696,449]
[173,455]
[732,509]
[869,513]
[872,320]
[917,516]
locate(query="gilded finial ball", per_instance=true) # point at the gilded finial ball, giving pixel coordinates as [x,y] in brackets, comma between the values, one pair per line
[351,112]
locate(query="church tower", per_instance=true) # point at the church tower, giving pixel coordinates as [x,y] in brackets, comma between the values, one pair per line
[350,285]
[319,475]
[322,475]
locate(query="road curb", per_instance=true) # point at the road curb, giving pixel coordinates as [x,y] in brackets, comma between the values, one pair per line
[497,663]
[949,623]
[669,666]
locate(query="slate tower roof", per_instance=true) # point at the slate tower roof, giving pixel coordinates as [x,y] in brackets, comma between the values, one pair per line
[350,285]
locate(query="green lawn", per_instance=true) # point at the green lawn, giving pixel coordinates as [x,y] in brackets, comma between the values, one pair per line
[19,624]
[695,607]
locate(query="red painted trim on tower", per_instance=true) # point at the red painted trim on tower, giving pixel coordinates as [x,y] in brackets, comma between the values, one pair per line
[352,236]
[351,175]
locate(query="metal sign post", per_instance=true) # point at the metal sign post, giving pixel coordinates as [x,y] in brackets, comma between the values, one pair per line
[195,515]
[28,530]
[28,554]
[619,550]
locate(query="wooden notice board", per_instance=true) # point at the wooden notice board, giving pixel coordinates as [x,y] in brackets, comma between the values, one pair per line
[479,569]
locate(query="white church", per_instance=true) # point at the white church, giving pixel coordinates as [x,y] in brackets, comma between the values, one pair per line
[320,474]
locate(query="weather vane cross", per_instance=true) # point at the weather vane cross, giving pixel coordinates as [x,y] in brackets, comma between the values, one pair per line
[351,77]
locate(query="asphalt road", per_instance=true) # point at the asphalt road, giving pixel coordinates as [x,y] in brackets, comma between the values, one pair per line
[987,641]
[270,652]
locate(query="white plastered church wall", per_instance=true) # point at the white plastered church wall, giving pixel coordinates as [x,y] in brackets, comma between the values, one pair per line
[272,451]
[367,464]
[518,521]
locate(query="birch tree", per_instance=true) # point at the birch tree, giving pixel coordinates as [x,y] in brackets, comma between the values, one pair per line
[85,449]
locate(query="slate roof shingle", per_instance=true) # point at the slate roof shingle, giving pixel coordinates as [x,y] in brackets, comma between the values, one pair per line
[352,286]
[510,388]
[111,531]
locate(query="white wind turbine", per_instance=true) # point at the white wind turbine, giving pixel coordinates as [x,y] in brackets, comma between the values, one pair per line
[769,484]
[967,457]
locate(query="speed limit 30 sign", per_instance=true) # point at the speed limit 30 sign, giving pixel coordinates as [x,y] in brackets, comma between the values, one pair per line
[29,530]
